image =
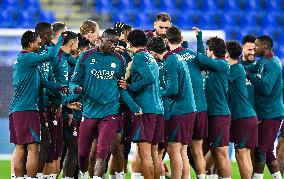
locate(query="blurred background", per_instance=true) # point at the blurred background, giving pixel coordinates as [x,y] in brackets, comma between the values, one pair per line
[233,18]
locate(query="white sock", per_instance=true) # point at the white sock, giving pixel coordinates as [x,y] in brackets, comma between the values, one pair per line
[112,177]
[97,177]
[277,175]
[135,175]
[25,176]
[201,176]
[84,175]
[141,177]
[162,177]
[39,175]
[257,176]
[20,177]
[212,176]
[225,177]
[31,178]
[44,176]
[119,175]
[13,176]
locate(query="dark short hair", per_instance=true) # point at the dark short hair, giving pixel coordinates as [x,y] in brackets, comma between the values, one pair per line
[83,41]
[110,32]
[164,17]
[266,40]
[68,36]
[27,38]
[157,44]
[57,26]
[234,49]
[42,27]
[173,35]
[248,39]
[137,38]
[217,45]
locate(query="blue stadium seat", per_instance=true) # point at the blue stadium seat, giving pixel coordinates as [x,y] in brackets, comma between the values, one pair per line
[143,5]
[47,16]
[185,5]
[142,19]
[233,33]
[103,6]
[201,5]
[239,5]
[218,5]
[124,4]
[120,17]
[196,19]
[255,19]
[31,4]
[26,19]
[275,33]
[165,5]
[235,19]
[214,20]
[252,30]
[276,19]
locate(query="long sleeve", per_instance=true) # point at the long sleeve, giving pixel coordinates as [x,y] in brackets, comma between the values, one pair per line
[127,99]
[254,67]
[146,77]
[35,59]
[266,82]
[171,78]
[200,46]
[71,61]
[78,75]
[235,73]
[217,65]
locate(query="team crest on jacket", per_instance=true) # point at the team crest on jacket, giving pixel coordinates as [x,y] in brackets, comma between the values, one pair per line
[113,65]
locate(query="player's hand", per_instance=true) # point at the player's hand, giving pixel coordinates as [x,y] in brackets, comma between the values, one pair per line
[196,30]
[77,90]
[74,106]
[120,48]
[69,118]
[128,70]
[122,83]
[138,113]
[55,109]
[63,89]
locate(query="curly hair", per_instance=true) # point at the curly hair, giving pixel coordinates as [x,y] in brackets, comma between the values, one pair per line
[217,45]
[137,38]
[173,35]
[157,44]
[88,26]
[27,38]
[234,49]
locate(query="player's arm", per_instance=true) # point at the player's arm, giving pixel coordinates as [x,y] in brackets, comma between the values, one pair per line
[200,46]
[265,83]
[211,63]
[171,79]
[235,73]
[127,99]
[77,76]
[254,67]
[147,78]
[36,59]
[71,61]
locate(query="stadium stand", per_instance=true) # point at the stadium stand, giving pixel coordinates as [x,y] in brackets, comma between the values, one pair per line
[235,17]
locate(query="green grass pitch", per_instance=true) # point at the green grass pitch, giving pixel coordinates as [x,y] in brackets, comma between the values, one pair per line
[5,171]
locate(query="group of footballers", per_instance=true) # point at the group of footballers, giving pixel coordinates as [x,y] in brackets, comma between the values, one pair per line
[81,99]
